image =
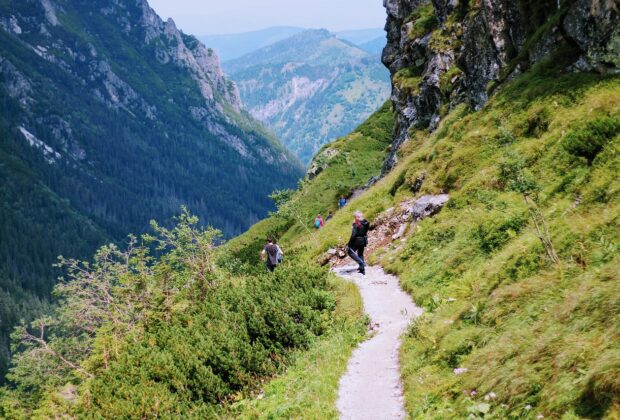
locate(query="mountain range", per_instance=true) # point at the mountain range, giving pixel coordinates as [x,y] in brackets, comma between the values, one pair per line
[232,46]
[111,117]
[310,88]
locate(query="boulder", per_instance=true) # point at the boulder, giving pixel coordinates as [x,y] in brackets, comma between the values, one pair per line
[427,205]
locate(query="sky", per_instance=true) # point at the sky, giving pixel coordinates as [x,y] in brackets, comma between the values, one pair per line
[209,17]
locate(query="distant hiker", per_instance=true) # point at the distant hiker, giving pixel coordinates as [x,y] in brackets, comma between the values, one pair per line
[270,254]
[319,222]
[329,217]
[342,202]
[358,241]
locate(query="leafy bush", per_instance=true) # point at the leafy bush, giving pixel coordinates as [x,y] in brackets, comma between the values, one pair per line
[589,139]
[166,334]
[538,121]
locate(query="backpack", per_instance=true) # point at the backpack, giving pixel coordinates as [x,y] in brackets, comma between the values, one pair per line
[317,223]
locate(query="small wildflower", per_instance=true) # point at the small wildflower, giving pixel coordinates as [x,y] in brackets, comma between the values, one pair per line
[459,371]
[490,396]
[473,393]
[528,407]
[451,299]
[540,416]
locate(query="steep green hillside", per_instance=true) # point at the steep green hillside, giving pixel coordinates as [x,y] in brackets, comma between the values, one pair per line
[533,337]
[345,165]
[507,332]
[517,274]
[310,88]
[110,117]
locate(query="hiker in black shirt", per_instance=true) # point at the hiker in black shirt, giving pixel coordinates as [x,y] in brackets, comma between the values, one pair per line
[358,241]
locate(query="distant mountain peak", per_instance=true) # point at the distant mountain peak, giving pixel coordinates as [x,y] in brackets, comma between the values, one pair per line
[318,46]
[310,88]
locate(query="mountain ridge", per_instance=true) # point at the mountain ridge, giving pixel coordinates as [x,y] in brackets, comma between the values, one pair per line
[310,88]
[234,45]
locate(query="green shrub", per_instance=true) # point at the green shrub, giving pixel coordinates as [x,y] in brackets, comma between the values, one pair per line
[494,233]
[588,140]
[537,122]
[169,334]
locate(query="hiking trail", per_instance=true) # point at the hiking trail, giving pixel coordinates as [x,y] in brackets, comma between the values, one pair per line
[371,388]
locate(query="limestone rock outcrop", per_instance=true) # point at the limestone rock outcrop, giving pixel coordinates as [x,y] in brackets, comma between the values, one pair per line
[445,52]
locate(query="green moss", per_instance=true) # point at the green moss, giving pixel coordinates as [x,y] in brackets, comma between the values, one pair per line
[424,21]
[447,80]
[408,80]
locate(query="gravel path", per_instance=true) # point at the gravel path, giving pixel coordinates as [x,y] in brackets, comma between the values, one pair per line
[371,388]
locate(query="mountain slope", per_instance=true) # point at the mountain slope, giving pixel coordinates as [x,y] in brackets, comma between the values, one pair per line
[310,88]
[511,330]
[507,333]
[517,274]
[232,46]
[109,118]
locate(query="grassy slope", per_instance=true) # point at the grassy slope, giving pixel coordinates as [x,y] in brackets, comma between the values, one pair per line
[542,340]
[538,340]
[360,156]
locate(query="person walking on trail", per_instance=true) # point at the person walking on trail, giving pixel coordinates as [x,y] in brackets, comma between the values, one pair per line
[358,241]
[342,202]
[272,254]
[329,217]
[319,222]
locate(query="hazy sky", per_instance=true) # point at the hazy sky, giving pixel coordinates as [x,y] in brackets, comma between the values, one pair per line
[206,17]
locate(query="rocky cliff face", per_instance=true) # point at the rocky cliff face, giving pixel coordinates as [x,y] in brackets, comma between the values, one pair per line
[169,44]
[445,52]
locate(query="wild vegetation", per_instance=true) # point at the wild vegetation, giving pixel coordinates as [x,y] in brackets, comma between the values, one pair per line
[507,333]
[517,274]
[157,329]
[172,326]
[121,119]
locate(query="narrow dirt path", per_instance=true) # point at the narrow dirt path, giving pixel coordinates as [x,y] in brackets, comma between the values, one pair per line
[371,388]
